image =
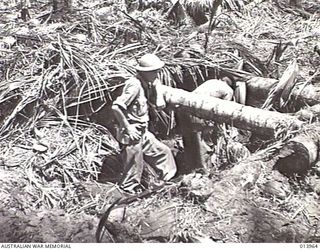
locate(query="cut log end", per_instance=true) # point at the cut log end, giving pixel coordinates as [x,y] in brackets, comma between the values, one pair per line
[297,158]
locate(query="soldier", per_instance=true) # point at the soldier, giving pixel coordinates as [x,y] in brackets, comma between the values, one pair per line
[131,112]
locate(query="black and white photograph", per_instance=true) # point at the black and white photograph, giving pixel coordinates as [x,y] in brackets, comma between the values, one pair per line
[159,121]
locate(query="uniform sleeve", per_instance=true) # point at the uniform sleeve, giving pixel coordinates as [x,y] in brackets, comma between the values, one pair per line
[129,92]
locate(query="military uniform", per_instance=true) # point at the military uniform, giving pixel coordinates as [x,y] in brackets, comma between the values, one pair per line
[133,103]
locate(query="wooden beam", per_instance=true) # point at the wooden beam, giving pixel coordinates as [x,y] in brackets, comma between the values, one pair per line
[221,111]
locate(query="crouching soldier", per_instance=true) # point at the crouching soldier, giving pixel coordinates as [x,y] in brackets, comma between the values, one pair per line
[131,112]
[199,135]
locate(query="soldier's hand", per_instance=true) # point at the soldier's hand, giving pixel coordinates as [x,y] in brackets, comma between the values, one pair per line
[133,132]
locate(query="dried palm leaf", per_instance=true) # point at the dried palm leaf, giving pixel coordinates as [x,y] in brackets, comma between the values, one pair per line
[281,91]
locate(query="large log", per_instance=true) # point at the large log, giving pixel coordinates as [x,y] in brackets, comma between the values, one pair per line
[300,153]
[221,111]
[310,114]
[258,89]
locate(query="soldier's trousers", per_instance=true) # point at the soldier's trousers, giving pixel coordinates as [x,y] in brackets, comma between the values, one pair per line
[151,150]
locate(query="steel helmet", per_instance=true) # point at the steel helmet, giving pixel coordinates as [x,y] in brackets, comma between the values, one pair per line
[149,62]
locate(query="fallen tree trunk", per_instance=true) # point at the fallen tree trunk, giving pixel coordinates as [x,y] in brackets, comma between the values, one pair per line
[258,89]
[294,156]
[310,114]
[221,111]
[300,153]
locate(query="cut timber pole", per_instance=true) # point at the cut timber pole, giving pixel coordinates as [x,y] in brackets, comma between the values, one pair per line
[301,152]
[238,115]
[309,114]
[258,89]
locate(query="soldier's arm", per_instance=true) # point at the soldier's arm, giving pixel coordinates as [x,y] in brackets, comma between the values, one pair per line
[122,120]
[121,103]
[129,129]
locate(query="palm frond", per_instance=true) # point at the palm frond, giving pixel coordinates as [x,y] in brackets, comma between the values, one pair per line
[282,90]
